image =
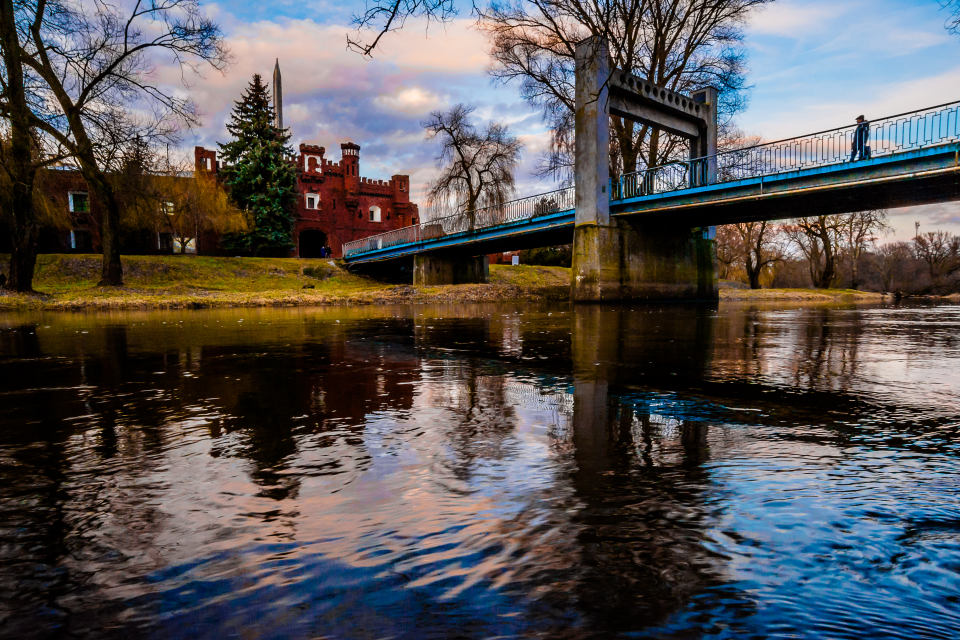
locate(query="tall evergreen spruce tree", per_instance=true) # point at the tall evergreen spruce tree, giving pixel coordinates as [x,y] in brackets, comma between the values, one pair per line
[260,174]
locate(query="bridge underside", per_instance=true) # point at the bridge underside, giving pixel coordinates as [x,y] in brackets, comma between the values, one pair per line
[452,260]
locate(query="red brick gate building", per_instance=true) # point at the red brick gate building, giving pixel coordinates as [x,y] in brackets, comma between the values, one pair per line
[334,203]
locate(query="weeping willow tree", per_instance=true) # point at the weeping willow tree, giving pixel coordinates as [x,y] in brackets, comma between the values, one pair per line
[163,196]
[477,165]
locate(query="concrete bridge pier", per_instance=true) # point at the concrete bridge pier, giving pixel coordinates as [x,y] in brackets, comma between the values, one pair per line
[437,269]
[614,259]
[631,261]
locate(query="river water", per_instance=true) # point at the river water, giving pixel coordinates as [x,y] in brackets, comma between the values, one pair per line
[481,472]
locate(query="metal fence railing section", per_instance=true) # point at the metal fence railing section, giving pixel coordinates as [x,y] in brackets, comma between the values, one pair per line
[886,136]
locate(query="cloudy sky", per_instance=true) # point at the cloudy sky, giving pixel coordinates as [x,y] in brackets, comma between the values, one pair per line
[813,64]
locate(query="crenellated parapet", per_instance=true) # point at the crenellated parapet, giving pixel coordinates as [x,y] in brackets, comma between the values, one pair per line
[311,160]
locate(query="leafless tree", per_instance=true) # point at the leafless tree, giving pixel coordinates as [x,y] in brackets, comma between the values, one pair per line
[477,166]
[680,44]
[893,259]
[94,60]
[826,240]
[861,231]
[24,149]
[383,16]
[753,246]
[940,250]
[818,238]
[728,255]
[19,167]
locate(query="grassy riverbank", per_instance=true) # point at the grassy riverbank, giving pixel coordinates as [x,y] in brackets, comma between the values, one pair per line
[68,282]
[838,296]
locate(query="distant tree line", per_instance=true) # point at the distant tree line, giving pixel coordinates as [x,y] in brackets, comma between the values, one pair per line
[838,251]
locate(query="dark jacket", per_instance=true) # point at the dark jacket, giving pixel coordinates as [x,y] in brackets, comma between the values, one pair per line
[861,135]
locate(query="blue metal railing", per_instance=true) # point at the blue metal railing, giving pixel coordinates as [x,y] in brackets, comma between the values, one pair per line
[511,211]
[888,135]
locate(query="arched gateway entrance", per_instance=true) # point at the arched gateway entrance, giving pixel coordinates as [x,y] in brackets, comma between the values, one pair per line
[312,242]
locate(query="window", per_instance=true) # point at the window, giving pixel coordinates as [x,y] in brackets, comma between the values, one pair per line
[167,208]
[79,202]
[374,214]
[313,201]
[81,240]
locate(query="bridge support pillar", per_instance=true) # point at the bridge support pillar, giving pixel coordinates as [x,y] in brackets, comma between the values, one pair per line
[629,261]
[615,259]
[430,269]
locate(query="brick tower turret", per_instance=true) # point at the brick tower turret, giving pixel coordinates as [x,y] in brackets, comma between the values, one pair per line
[350,154]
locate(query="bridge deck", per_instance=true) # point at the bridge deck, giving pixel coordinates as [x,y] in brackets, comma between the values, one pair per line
[918,176]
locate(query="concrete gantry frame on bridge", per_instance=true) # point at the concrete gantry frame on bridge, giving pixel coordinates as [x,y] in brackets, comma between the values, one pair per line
[622,260]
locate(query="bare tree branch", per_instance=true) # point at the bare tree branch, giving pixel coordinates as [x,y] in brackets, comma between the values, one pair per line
[953,15]
[383,16]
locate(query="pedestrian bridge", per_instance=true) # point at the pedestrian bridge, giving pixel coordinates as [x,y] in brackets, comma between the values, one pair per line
[914,159]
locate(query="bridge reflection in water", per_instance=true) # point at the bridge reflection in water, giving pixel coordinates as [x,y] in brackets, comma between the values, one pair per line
[420,472]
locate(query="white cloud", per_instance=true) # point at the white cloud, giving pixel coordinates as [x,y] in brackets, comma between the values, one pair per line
[452,47]
[411,100]
[790,19]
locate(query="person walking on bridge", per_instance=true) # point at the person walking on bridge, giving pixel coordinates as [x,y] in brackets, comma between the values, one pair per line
[861,136]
